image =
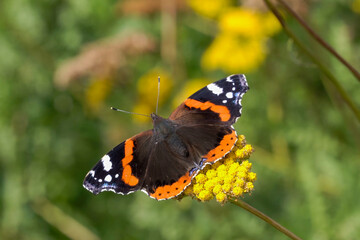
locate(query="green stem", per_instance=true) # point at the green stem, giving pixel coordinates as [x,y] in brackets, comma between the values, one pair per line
[264,217]
[321,66]
[321,41]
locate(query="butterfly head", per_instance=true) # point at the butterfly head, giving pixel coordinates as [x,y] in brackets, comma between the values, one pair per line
[162,127]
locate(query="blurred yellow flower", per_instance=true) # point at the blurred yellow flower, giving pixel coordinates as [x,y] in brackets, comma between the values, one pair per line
[230,177]
[188,89]
[356,6]
[97,92]
[147,88]
[270,24]
[248,23]
[241,21]
[233,53]
[210,8]
[240,45]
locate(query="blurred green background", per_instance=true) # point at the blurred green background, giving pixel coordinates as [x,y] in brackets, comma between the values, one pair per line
[64,63]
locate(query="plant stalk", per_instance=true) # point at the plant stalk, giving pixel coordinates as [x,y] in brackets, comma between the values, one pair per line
[321,41]
[264,217]
[320,65]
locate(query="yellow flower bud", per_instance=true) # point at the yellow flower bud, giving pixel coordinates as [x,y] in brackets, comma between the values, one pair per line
[200,178]
[221,197]
[205,195]
[237,191]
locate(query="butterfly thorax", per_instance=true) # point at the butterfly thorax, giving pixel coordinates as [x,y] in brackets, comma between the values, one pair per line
[165,132]
[163,128]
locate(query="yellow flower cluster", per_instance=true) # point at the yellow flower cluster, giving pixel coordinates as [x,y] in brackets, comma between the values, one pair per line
[147,88]
[248,23]
[211,9]
[229,177]
[233,54]
[240,44]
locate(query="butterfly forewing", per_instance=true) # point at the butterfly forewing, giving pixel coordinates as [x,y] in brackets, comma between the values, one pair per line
[122,169]
[218,102]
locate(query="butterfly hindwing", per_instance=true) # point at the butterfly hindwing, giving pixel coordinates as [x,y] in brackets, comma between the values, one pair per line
[169,164]
[215,143]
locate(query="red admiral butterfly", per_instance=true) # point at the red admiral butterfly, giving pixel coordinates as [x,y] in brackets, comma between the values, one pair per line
[162,162]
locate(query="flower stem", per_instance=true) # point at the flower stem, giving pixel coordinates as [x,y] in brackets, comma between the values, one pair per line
[264,217]
[320,40]
[320,65]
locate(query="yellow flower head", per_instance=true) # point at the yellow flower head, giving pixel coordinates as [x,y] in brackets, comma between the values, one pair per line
[233,53]
[241,21]
[211,9]
[248,23]
[240,44]
[230,177]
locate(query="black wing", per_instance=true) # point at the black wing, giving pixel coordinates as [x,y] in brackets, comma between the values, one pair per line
[122,169]
[217,103]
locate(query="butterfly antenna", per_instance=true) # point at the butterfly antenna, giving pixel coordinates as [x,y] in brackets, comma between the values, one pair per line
[158,95]
[120,110]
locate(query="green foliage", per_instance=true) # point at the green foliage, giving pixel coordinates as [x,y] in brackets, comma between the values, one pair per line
[306,139]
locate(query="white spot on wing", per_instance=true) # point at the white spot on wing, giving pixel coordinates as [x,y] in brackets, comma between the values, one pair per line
[116,175]
[106,162]
[224,101]
[229,95]
[100,180]
[215,89]
[228,79]
[92,173]
[240,98]
[108,178]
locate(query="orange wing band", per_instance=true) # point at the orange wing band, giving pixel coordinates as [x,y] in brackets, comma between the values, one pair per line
[224,147]
[223,111]
[127,176]
[169,191]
